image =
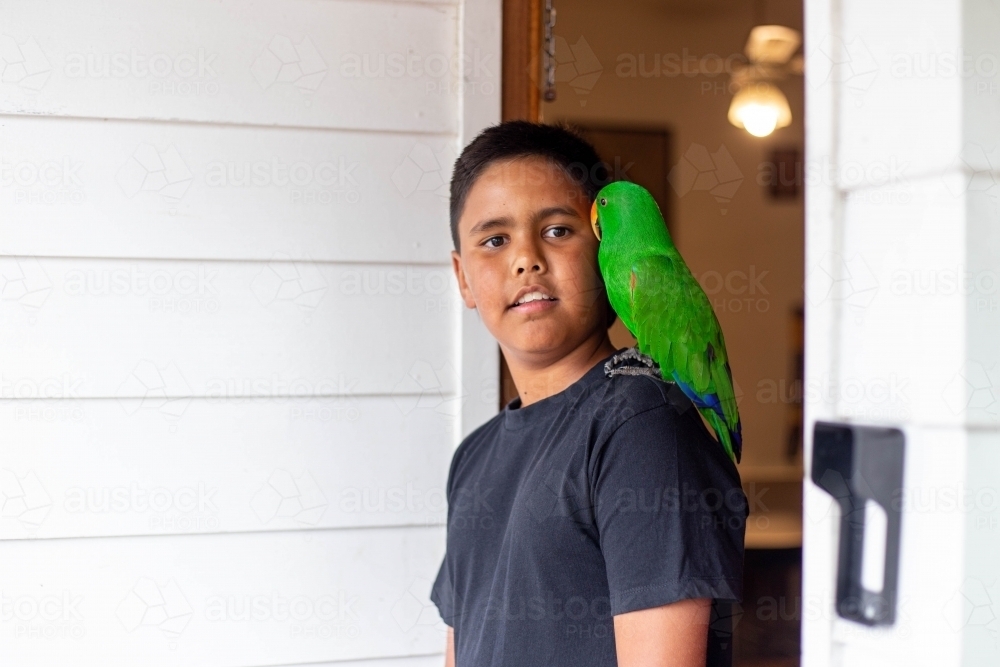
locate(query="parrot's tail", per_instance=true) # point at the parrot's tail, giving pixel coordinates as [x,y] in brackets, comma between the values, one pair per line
[711,409]
[731,440]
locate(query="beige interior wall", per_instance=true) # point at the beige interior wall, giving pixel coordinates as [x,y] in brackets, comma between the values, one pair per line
[750,234]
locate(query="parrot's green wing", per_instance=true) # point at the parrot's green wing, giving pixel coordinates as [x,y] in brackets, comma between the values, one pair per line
[673,321]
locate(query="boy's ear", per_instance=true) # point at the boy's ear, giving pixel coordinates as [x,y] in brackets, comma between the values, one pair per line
[463,285]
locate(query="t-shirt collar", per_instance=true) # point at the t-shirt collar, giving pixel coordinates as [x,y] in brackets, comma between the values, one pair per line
[515,417]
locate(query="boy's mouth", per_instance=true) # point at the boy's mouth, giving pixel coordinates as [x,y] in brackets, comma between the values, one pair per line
[532,298]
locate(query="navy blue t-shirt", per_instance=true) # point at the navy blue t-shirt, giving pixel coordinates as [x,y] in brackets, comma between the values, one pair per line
[608,497]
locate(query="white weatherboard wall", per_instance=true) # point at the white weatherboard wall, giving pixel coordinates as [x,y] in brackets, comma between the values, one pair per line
[903,314]
[233,361]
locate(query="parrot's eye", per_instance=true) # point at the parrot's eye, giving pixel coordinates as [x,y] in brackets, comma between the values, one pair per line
[604,202]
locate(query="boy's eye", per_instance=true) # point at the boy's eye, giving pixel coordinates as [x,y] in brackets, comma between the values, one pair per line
[493,242]
[557,232]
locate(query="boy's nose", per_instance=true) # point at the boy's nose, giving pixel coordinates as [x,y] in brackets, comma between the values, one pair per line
[529,259]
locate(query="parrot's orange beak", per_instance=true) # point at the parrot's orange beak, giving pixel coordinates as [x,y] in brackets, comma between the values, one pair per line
[595,225]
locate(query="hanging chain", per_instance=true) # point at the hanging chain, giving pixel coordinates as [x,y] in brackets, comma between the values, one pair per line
[549,53]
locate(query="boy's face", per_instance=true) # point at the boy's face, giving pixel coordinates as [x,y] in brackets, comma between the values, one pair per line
[526,228]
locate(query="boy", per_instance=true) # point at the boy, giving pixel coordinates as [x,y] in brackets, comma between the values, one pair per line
[594,521]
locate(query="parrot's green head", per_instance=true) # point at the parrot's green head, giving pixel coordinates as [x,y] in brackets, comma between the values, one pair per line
[625,213]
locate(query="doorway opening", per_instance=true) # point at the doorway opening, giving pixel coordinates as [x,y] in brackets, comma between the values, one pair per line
[652,85]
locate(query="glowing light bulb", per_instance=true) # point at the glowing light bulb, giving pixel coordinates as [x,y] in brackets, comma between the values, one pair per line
[759,119]
[760,108]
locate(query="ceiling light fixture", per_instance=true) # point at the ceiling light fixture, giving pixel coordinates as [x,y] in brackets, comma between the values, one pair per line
[759,106]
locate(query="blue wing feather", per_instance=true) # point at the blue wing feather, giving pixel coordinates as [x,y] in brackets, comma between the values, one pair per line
[709,402]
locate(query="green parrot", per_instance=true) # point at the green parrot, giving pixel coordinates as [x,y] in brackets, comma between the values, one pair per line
[661,303]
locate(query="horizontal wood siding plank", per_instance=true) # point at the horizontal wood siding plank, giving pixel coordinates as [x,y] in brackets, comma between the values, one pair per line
[301,63]
[225,600]
[88,468]
[72,187]
[171,329]
[435,660]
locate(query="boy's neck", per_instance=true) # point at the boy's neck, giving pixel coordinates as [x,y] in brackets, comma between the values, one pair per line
[537,380]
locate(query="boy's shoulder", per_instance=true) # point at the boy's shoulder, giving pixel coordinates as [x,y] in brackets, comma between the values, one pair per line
[621,388]
[604,400]
[615,400]
[625,396]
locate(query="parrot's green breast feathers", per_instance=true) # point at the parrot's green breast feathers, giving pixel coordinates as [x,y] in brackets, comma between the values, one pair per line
[661,303]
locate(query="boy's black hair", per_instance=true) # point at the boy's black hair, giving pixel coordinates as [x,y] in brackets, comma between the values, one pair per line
[518,139]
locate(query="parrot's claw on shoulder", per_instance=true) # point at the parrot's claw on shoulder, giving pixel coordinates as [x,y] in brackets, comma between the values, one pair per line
[633,353]
[632,370]
[615,365]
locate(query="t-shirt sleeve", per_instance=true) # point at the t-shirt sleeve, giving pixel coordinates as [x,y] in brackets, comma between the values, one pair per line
[670,513]
[443,590]
[443,593]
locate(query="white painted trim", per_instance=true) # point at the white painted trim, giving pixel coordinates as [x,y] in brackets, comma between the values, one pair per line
[479,107]
[823,211]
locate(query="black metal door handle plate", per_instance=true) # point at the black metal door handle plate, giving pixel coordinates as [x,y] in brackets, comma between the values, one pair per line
[860,465]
